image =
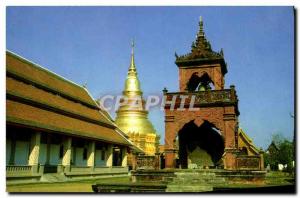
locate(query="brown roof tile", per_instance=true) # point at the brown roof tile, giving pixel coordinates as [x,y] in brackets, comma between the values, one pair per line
[32,116]
[30,71]
[39,98]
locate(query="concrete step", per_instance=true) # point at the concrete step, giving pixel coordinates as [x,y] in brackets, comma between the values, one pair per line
[198,182]
[189,188]
[194,181]
[53,177]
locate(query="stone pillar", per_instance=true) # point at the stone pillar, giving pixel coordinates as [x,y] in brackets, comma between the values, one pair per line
[170,158]
[262,162]
[34,151]
[170,135]
[230,159]
[229,133]
[231,149]
[109,155]
[157,161]
[91,154]
[133,160]
[124,157]
[67,146]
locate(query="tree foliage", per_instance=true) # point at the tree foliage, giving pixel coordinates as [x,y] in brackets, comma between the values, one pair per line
[281,151]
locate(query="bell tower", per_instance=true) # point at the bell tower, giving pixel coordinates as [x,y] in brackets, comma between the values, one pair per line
[202,66]
[211,127]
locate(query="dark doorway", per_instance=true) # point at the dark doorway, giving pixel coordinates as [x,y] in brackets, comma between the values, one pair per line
[117,156]
[162,161]
[206,137]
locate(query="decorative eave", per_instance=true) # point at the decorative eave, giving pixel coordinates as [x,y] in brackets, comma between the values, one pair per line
[248,140]
[201,53]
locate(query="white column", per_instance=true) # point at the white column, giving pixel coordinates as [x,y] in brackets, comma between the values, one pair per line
[109,158]
[91,154]
[34,149]
[67,144]
[124,157]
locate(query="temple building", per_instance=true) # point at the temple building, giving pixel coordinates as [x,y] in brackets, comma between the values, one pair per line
[246,145]
[55,126]
[132,117]
[209,134]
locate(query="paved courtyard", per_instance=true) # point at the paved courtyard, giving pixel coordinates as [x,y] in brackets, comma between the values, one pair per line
[273,179]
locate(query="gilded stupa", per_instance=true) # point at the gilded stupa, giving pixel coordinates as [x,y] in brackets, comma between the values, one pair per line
[132,117]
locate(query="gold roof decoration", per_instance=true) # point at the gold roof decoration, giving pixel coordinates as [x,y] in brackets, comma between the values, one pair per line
[201,52]
[245,140]
[131,119]
[132,84]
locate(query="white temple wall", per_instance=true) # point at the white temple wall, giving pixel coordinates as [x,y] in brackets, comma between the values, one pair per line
[54,154]
[43,154]
[98,158]
[21,153]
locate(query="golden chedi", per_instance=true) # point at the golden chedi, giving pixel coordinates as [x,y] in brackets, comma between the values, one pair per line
[132,117]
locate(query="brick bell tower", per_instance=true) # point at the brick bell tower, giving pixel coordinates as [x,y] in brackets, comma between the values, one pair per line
[210,128]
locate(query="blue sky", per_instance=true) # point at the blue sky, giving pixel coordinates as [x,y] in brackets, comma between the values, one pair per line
[92,45]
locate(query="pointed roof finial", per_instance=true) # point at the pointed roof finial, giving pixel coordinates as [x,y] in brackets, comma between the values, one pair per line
[201,32]
[132,83]
[132,64]
[132,46]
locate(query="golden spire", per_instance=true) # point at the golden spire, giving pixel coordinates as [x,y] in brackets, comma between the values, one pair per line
[132,117]
[132,83]
[132,64]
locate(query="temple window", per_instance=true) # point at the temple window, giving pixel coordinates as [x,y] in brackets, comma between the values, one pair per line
[197,83]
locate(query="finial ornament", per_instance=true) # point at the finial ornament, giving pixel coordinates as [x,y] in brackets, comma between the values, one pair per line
[201,32]
[132,46]
[132,64]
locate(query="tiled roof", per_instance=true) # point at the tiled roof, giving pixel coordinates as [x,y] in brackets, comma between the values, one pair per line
[244,137]
[22,68]
[38,98]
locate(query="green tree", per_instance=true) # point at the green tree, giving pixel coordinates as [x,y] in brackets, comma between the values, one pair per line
[286,154]
[280,151]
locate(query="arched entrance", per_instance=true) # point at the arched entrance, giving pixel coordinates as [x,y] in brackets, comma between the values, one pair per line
[200,146]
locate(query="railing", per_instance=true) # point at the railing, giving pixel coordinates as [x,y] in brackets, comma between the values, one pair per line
[202,97]
[18,168]
[99,169]
[245,162]
[147,162]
